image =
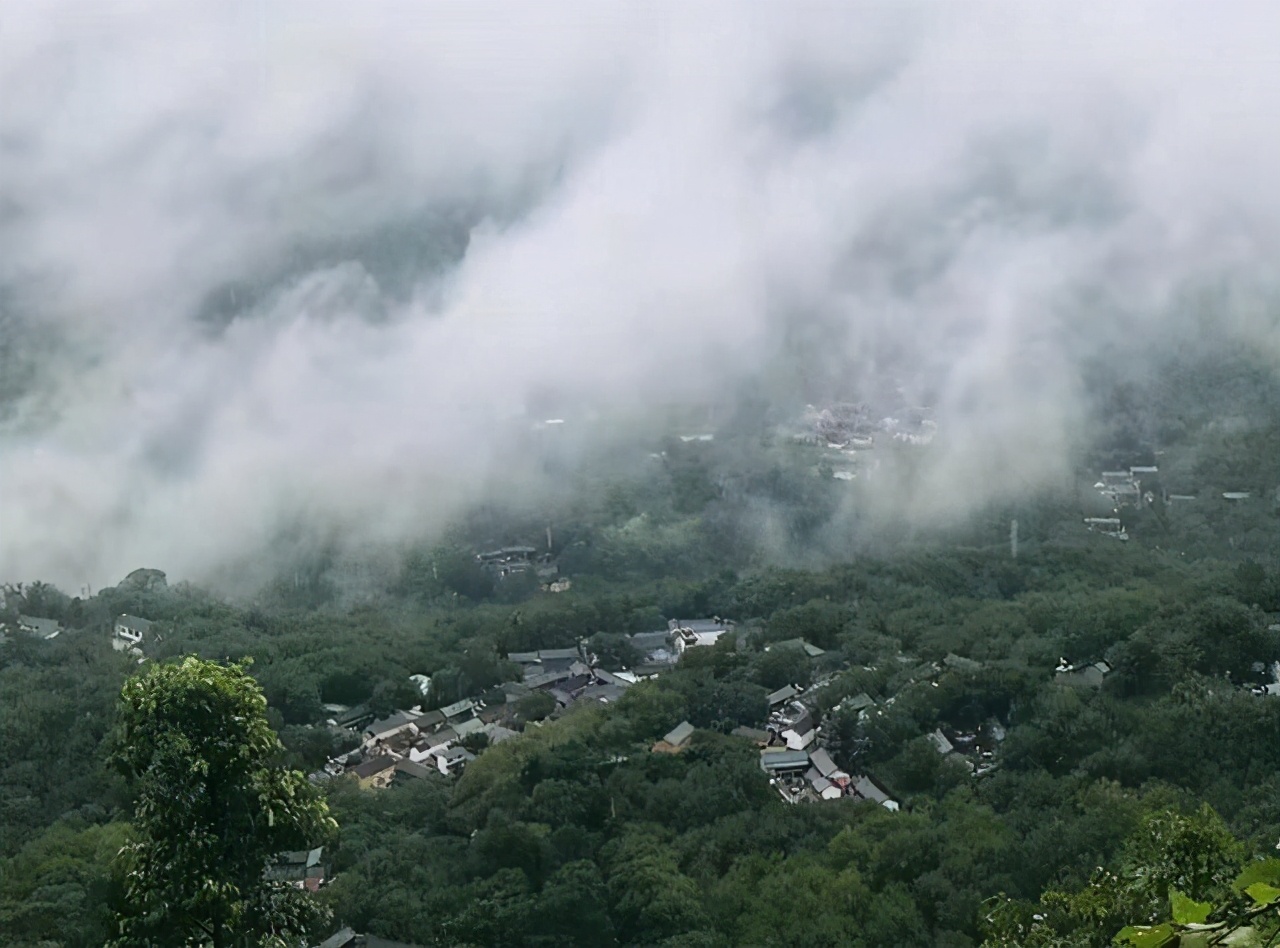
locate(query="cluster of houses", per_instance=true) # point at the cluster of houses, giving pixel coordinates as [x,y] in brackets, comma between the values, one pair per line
[1121,489]
[568,675]
[851,426]
[304,869]
[518,560]
[660,651]
[799,768]
[414,744]
[1136,487]
[1124,488]
[792,750]
[849,431]
[127,632]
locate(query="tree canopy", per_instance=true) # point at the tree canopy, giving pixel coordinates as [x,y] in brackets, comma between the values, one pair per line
[212,809]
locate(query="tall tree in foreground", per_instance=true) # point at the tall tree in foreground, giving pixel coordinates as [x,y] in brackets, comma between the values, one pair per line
[212,809]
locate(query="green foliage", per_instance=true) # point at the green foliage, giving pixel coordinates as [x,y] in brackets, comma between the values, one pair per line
[58,887]
[575,834]
[211,811]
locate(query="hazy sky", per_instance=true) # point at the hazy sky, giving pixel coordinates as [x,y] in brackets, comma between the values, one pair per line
[214,326]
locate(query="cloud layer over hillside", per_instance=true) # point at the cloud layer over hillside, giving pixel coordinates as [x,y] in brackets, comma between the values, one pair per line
[263,263]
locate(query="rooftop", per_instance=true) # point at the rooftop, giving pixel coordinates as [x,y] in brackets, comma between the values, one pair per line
[782,694]
[715,624]
[397,720]
[772,760]
[552,654]
[822,761]
[868,789]
[375,766]
[680,734]
[458,707]
[45,628]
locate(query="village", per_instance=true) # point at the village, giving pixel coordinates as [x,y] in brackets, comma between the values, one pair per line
[415,744]
[423,742]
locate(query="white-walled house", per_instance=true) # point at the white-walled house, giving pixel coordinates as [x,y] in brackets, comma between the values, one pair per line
[128,632]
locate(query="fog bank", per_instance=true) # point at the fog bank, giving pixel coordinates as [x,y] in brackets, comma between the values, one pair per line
[270,264]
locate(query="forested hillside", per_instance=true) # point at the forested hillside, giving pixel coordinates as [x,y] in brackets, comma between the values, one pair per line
[1092,801]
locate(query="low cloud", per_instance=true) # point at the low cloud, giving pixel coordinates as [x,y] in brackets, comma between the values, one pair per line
[263,264]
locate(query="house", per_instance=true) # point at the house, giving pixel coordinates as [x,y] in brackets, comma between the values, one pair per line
[960,663]
[429,721]
[375,773]
[514,691]
[452,760]
[824,788]
[408,770]
[347,938]
[470,726]
[427,744]
[355,719]
[40,628]
[303,869]
[940,742]
[547,660]
[567,690]
[343,938]
[609,678]
[693,633]
[800,733]
[1107,526]
[655,652]
[496,714]
[458,709]
[1082,676]
[858,703]
[868,789]
[675,740]
[557,659]
[782,696]
[497,733]
[127,632]
[761,738]
[778,762]
[384,730]
[509,560]
[546,679]
[604,694]
[826,767]
[810,650]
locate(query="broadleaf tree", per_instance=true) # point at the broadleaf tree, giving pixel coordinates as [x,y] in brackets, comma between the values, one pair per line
[213,808]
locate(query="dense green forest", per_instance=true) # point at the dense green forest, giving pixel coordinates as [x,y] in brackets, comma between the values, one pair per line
[1160,781]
